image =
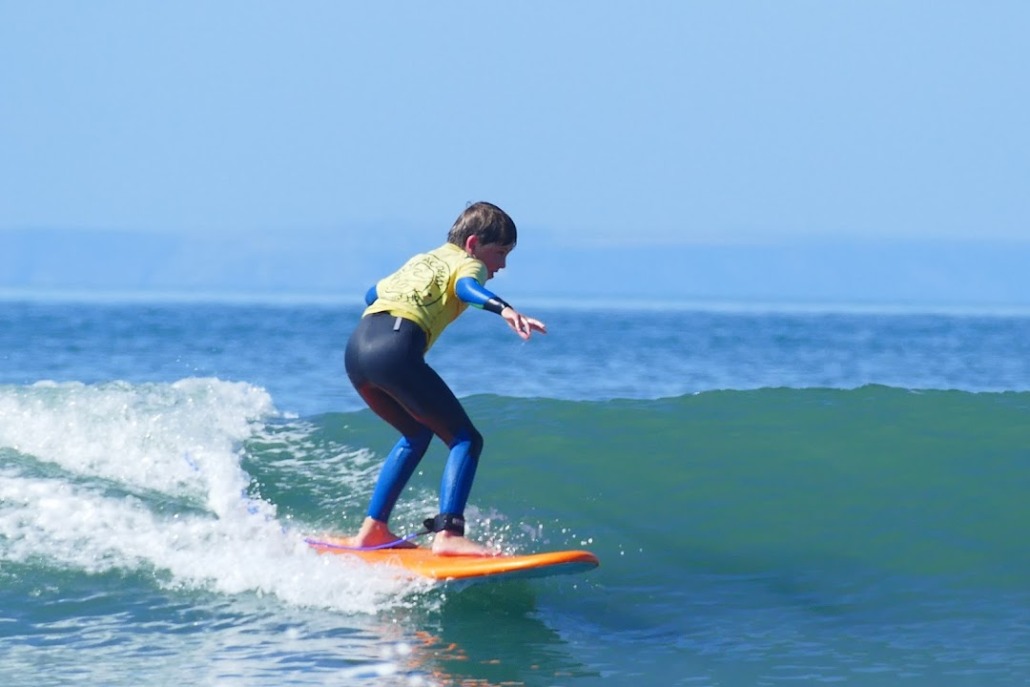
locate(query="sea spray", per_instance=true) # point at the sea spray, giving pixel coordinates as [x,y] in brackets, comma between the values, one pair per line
[148,478]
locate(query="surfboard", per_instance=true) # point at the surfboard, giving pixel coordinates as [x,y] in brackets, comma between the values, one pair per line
[423,562]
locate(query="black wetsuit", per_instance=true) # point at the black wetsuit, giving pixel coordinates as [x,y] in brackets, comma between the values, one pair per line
[385,361]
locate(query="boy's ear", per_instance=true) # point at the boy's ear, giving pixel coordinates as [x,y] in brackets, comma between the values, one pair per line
[470,244]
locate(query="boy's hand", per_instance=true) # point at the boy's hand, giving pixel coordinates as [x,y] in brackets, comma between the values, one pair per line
[522,325]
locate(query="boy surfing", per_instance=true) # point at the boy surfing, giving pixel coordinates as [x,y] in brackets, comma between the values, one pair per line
[385,360]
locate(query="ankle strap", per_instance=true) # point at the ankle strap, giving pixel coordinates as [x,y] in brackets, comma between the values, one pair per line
[445,522]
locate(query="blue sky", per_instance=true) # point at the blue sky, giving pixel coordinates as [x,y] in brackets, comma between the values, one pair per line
[615,123]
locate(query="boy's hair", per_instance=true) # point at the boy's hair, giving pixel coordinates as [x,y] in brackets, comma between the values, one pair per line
[485,220]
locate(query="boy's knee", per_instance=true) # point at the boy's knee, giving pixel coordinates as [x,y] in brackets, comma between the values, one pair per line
[474,439]
[422,437]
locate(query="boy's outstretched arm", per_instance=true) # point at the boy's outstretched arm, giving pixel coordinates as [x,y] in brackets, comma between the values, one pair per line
[474,293]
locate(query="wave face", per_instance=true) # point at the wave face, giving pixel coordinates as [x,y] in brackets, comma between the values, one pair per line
[877,478]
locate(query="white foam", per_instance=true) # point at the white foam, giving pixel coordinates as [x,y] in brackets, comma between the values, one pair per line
[181,440]
[151,436]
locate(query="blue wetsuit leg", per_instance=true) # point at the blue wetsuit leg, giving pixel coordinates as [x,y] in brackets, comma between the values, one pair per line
[459,472]
[396,471]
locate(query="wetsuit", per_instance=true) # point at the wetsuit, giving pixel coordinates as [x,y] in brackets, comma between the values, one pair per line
[385,362]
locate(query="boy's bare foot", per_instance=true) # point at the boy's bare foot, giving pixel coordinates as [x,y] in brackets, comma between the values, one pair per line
[375,533]
[450,544]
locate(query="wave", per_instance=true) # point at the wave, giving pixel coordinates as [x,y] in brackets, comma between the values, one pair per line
[202,483]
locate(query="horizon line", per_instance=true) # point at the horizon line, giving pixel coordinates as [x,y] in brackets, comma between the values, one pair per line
[614,304]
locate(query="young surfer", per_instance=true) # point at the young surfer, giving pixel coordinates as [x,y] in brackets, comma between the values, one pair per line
[385,362]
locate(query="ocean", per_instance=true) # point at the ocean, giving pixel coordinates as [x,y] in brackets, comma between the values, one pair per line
[777,496]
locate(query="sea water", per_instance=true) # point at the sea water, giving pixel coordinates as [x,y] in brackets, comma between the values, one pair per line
[776,496]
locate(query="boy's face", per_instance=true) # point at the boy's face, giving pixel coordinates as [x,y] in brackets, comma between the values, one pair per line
[493,255]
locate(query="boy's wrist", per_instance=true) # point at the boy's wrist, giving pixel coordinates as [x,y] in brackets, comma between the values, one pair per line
[496,305]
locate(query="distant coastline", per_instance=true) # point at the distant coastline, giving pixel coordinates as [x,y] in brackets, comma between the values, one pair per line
[337,267]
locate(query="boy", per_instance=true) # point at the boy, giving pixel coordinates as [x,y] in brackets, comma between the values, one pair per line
[385,362]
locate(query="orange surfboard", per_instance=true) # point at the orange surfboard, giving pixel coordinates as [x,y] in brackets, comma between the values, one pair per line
[425,563]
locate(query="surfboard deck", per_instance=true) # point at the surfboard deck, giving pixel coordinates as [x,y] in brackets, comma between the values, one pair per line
[424,563]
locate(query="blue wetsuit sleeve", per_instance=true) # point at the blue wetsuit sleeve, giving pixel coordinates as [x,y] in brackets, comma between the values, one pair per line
[472,292]
[371,295]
